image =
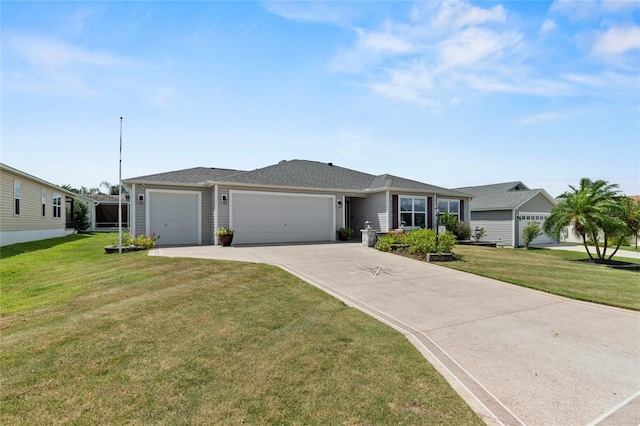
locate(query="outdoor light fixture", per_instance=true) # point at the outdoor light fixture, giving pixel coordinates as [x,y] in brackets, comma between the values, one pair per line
[140,199]
[339,203]
[223,197]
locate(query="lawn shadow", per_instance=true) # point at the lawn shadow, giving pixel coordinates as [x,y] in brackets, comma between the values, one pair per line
[20,248]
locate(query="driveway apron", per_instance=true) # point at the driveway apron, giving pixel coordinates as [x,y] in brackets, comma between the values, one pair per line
[517,356]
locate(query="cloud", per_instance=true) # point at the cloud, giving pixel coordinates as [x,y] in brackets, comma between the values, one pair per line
[548,25]
[52,53]
[540,118]
[383,42]
[473,45]
[40,65]
[584,10]
[306,11]
[616,41]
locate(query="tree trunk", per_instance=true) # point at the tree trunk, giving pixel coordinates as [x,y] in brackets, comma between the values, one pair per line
[584,241]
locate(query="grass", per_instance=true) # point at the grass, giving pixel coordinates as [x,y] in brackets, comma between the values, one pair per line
[89,338]
[554,271]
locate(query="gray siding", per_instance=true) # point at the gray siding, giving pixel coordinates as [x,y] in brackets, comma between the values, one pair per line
[373,208]
[207,216]
[539,203]
[498,225]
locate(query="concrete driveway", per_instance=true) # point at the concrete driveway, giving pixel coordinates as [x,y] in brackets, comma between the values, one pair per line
[517,356]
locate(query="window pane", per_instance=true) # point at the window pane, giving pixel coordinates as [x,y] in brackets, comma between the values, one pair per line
[454,207]
[419,205]
[406,204]
[406,219]
[443,206]
[420,220]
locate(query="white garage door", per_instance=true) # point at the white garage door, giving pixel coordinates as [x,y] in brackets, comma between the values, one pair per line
[281,218]
[534,217]
[175,216]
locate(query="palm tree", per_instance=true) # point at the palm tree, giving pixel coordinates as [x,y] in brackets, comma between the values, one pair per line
[591,208]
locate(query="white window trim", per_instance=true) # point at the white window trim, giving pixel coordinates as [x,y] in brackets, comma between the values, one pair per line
[57,208]
[16,197]
[413,211]
[43,210]
[448,200]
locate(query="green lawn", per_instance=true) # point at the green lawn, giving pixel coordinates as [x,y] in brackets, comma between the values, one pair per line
[553,271]
[89,338]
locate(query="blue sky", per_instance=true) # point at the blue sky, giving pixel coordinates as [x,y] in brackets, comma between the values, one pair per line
[451,93]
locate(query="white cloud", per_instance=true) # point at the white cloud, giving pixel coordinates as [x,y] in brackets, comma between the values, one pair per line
[540,118]
[616,41]
[548,25]
[306,11]
[383,42]
[459,14]
[51,53]
[473,45]
[581,10]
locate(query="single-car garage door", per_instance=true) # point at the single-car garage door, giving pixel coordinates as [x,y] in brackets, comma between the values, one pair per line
[281,218]
[525,219]
[175,216]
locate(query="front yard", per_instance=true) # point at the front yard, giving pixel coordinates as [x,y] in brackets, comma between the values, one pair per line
[553,271]
[89,338]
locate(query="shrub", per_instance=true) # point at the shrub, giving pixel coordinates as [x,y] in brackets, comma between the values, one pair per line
[478,233]
[80,216]
[446,242]
[384,243]
[141,240]
[347,231]
[421,242]
[531,232]
[462,231]
[448,220]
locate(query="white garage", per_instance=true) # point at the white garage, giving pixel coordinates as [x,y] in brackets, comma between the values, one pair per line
[175,216]
[525,219]
[267,217]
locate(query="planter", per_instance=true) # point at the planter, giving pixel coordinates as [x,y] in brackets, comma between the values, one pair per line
[343,236]
[439,257]
[226,240]
[125,249]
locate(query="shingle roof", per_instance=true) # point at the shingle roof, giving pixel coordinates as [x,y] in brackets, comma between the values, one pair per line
[395,182]
[194,175]
[296,174]
[304,174]
[500,196]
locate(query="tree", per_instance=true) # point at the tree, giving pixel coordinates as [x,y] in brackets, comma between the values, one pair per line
[81,216]
[629,214]
[531,232]
[592,208]
[112,189]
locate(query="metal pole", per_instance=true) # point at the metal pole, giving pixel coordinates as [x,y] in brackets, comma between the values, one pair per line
[120,194]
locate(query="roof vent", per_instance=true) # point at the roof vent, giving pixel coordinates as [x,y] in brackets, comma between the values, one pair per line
[330,164]
[283,161]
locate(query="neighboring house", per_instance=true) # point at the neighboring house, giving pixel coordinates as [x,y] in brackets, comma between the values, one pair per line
[504,209]
[292,201]
[104,214]
[33,209]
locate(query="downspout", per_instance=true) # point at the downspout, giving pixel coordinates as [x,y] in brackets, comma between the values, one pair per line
[389,213]
[132,210]
[215,214]
[516,229]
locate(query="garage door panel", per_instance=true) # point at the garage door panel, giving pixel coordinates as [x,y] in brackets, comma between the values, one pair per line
[273,218]
[175,217]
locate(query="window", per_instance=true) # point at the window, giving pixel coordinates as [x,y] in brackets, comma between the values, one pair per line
[44,203]
[449,206]
[57,205]
[16,197]
[413,212]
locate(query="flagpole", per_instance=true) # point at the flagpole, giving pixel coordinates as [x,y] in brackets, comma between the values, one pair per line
[120,194]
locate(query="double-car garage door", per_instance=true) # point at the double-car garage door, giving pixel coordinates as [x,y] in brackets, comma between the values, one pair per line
[256,217]
[259,217]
